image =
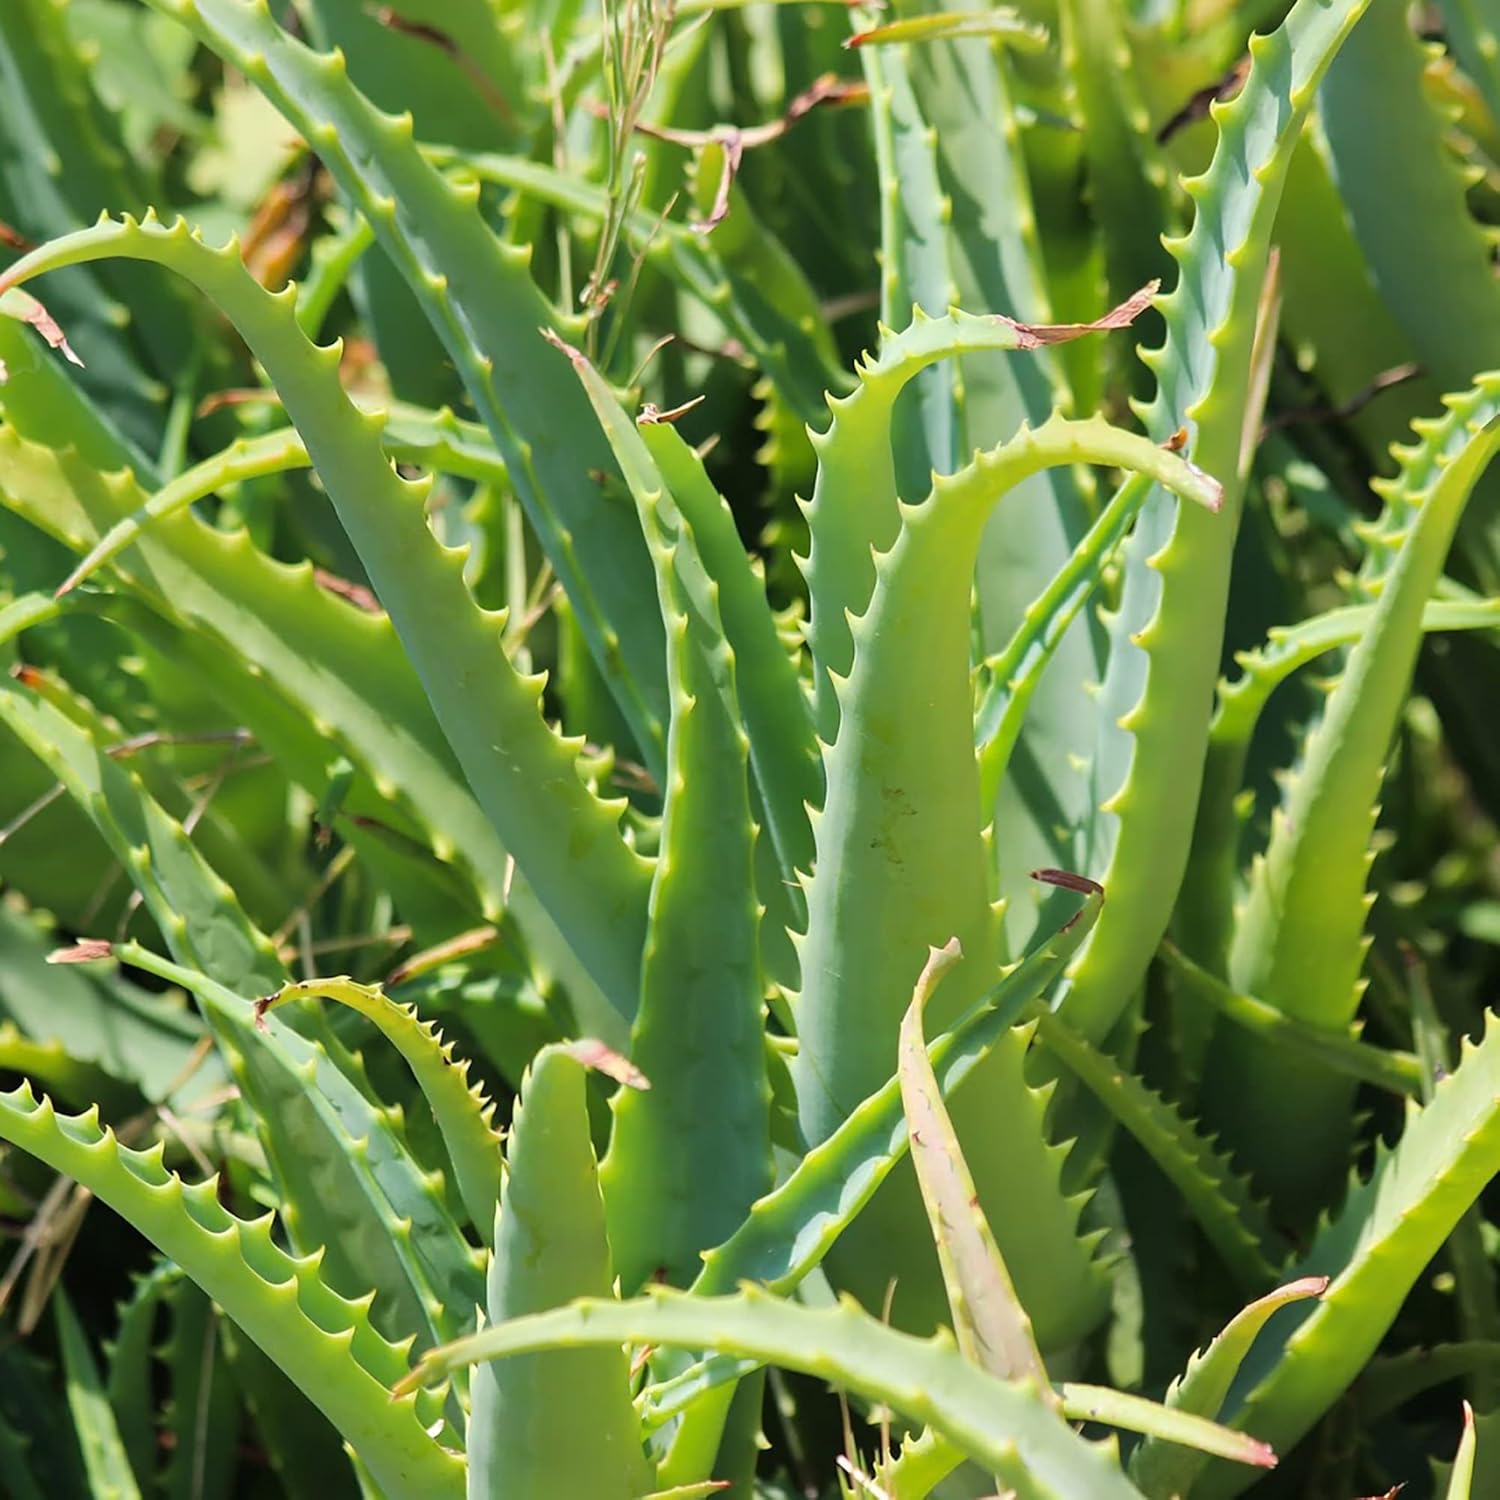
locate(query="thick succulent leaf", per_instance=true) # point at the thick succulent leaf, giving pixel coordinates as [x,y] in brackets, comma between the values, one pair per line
[325,1343]
[1214,1191]
[1162,1469]
[1299,941]
[478,294]
[778,719]
[460,1108]
[1166,637]
[558,1421]
[104,1456]
[690,1154]
[1003,1425]
[593,884]
[900,836]
[1389,1228]
[989,1321]
[789,1230]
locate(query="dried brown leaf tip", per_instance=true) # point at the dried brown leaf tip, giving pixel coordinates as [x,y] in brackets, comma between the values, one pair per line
[651,414]
[594,1054]
[22,305]
[559,342]
[1035,335]
[13,239]
[88,951]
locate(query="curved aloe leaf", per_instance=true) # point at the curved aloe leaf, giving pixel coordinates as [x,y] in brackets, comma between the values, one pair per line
[1003,1425]
[592,881]
[1373,1251]
[1165,639]
[1162,1469]
[1299,941]
[900,835]
[478,294]
[462,1112]
[324,1342]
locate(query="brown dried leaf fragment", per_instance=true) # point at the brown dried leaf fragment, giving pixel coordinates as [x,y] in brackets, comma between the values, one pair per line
[22,305]
[1035,335]
[592,1053]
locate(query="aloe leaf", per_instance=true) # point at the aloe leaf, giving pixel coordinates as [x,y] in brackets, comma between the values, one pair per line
[1164,1469]
[688,1156]
[64,161]
[1204,919]
[916,271]
[460,1108]
[1128,177]
[469,88]
[205,1408]
[1398,150]
[316,670]
[1299,941]
[1214,1191]
[1016,672]
[425,1270]
[900,835]
[1165,639]
[347,1179]
[325,1343]
[989,1321]
[778,719]
[104,1456]
[1373,1251]
[594,884]
[558,1421]
[1462,1477]
[854,513]
[478,294]
[1008,25]
[1397,1072]
[789,1230]
[129,1382]
[1003,1425]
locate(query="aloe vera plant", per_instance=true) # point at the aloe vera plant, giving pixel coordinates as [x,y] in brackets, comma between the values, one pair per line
[646,795]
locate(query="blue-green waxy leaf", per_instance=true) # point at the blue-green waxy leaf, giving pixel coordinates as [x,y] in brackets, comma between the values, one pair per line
[478,294]
[688,1156]
[1165,640]
[1299,941]
[901,865]
[456,647]
[104,1455]
[1005,1426]
[324,1342]
[558,1422]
